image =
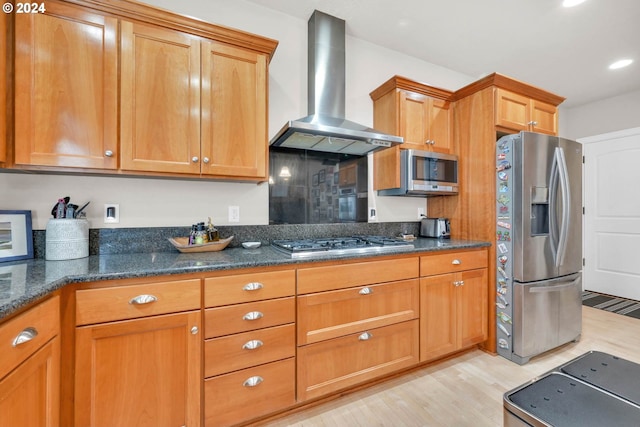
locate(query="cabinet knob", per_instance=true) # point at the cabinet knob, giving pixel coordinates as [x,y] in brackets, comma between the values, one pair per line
[195,159]
[461,282]
[253,381]
[253,286]
[252,345]
[143,299]
[456,262]
[365,336]
[108,153]
[26,335]
[533,123]
[366,291]
[205,160]
[253,315]
[194,330]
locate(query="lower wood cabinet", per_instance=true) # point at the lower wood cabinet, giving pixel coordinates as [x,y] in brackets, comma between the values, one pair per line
[243,395]
[331,365]
[453,312]
[326,315]
[29,395]
[30,367]
[142,372]
[249,346]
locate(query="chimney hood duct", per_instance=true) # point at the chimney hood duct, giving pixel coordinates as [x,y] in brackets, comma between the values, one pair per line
[325,128]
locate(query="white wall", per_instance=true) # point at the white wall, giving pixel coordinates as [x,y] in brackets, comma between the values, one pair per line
[164,202]
[607,115]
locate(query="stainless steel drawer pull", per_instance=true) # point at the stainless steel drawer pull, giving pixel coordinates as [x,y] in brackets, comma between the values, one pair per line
[26,335]
[143,299]
[366,291]
[252,315]
[252,345]
[253,381]
[456,262]
[194,330]
[365,336]
[253,286]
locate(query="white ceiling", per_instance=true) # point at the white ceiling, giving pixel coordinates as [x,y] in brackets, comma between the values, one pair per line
[564,50]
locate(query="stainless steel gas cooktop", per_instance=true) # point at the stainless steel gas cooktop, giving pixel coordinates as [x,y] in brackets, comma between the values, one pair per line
[315,248]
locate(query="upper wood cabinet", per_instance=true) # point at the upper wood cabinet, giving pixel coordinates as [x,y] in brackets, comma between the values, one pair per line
[520,112]
[209,105]
[419,113]
[66,88]
[160,100]
[138,90]
[234,111]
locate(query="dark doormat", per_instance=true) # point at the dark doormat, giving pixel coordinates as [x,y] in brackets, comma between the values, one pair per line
[627,307]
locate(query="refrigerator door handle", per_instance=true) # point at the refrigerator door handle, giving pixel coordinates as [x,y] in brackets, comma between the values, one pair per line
[566,206]
[553,195]
[541,289]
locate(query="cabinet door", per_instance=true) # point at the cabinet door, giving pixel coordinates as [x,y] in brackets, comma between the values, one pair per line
[29,395]
[440,126]
[544,117]
[160,100]
[234,112]
[437,316]
[66,88]
[414,120]
[472,307]
[144,372]
[512,110]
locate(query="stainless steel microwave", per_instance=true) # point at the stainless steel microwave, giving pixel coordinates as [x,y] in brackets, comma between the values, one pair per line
[425,173]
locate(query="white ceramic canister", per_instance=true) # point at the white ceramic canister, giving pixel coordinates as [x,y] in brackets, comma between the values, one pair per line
[67,239]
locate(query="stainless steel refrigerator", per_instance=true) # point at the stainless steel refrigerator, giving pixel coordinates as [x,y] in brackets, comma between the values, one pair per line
[538,244]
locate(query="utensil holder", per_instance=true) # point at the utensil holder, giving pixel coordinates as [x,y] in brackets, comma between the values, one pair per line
[67,239]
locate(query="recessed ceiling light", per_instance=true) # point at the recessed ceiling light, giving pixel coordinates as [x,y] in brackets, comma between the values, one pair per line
[571,3]
[620,64]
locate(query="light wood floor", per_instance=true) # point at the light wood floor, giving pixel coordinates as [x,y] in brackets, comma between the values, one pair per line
[467,390]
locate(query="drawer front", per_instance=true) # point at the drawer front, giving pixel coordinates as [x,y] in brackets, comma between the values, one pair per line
[250,393]
[241,288]
[129,302]
[240,351]
[325,278]
[332,314]
[232,319]
[23,335]
[331,365]
[452,261]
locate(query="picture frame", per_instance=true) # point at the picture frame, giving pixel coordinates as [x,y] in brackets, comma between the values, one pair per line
[314,179]
[16,235]
[321,176]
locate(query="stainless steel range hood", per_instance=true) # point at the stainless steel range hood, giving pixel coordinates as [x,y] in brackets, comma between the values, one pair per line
[325,128]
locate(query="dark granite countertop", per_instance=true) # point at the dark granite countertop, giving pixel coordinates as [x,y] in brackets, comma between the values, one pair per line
[23,282]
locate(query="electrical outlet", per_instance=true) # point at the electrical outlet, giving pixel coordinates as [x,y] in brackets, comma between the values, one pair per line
[234,213]
[420,213]
[111,213]
[372,214]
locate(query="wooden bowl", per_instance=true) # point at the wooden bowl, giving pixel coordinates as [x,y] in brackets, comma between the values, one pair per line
[182,244]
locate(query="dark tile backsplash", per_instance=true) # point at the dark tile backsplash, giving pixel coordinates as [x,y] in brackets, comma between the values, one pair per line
[103,241]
